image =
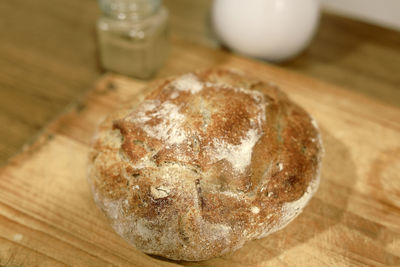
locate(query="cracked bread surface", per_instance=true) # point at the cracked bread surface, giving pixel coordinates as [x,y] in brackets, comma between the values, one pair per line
[206,162]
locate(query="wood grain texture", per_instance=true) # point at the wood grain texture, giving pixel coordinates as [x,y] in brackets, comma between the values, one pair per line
[48,217]
[48,58]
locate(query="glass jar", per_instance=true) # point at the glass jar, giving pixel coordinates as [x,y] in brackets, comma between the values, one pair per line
[133,36]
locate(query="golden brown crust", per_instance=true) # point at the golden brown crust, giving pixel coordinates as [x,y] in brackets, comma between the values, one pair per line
[206,162]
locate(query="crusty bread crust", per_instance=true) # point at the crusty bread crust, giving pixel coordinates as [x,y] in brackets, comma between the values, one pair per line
[208,161]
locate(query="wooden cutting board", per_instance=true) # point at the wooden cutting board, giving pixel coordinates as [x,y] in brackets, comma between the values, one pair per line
[48,217]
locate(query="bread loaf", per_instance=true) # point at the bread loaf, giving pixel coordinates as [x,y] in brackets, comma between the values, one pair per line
[206,162]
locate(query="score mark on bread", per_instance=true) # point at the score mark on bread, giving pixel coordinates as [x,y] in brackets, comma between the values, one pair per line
[207,161]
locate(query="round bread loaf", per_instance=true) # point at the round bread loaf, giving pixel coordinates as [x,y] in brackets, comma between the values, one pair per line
[206,162]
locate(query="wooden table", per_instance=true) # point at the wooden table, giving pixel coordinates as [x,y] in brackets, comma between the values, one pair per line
[48,58]
[48,61]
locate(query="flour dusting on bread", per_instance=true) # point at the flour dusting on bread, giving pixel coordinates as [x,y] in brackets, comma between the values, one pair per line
[291,210]
[169,126]
[206,162]
[188,83]
[169,129]
[239,156]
